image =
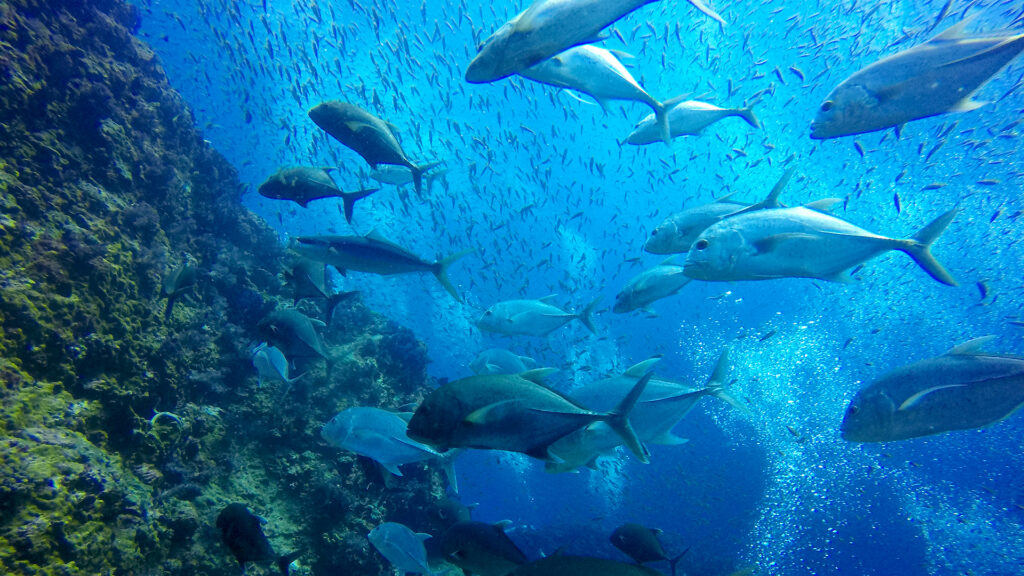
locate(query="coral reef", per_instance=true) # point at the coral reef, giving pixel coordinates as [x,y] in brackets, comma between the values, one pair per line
[122,435]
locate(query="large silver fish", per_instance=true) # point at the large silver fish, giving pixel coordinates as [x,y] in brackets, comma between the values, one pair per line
[514,412]
[402,547]
[677,232]
[651,285]
[802,242]
[374,254]
[531,317]
[686,118]
[544,29]
[933,78]
[964,388]
[304,184]
[598,73]
[500,361]
[367,135]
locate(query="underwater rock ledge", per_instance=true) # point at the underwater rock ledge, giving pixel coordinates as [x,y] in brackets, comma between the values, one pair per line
[122,435]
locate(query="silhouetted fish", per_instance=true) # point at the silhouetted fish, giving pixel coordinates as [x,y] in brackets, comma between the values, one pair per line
[305,184]
[242,534]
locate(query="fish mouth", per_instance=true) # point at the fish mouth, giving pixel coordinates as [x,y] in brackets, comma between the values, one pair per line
[818,132]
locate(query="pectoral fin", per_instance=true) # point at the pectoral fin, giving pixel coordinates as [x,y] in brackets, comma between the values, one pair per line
[971,347]
[488,413]
[913,400]
[769,243]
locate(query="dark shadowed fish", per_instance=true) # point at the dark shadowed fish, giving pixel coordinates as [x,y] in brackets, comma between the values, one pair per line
[641,544]
[304,184]
[369,136]
[651,285]
[293,333]
[513,412]
[481,549]
[242,533]
[933,78]
[177,283]
[963,389]
[373,254]
[544,29]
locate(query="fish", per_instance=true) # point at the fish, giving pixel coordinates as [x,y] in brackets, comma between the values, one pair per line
[481,549]
[652,284]
[380,436]
[307,278]
[532,317]
[562,565]
[293,333]
[688,117]
[642,545]
[401,546]
[271,364]
[373,254]
[304,184]
[544,29]
[499,361]
[708,11]
[178,282]
[661,406]
[402,175]
[367,135]
[513,412]
[802,242]
[677,232]
[598,73]
[242,533]
[963,389]
[937,77]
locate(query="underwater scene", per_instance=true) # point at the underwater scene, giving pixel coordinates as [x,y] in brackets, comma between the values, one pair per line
[562,287]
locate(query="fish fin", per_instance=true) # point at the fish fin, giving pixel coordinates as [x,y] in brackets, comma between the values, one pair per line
[547,299]
[285,561]
[622,56]
[447,461]
[708,11]
[1010,43]
[348,199]
[334,299]
[717,383]
[748,115]
[725,198]
[967,105]
[481,415]
[919,246]
[441,272]
[673,561]
[537,375]
[503,525]
[304,202]
[769,243]
[417,178]
[840,277]
[668,439]
[585,315]
[971,347]
[824,205]
[423,536]
[661,118]
[603,103]
[956,31]
[618,419]
[916,398]
[641,368]
[772,200]
[392,468]
[673,102]
[404,415]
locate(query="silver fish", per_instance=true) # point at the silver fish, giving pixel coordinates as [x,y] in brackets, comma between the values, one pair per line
[933,78]
[531,317]
[544,29]
[499,361]
[802,242]
[686,118]
[650,285]
[401,546]
[304,184]
[963,389]
[271,364]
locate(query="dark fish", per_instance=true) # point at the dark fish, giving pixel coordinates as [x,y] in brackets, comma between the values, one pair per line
[293,333]
[374,254]
[963,389]
[369,136]
[308,279]
[481,549]
[242,534]
[560,565]
[304,184]
[641,544]
[178,282]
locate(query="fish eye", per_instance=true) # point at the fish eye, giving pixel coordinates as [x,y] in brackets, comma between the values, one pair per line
[488,313]
[827,105]
[654,232]
[853,409]
[701,244]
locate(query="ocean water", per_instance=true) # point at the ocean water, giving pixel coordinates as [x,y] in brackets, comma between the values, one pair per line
[539,185]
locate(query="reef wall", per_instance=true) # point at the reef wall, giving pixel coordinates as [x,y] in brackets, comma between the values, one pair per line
[123,434]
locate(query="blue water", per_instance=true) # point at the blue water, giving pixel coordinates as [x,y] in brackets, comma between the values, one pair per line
[745,491]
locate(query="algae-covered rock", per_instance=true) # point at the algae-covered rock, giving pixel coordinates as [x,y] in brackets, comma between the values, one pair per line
[122,433]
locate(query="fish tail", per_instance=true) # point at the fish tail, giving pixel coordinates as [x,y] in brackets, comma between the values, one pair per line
[717,383]
[919,246]
[334,299]
[169,307]
[661,117]
[673,561]
[349,200]
[441,272]
[586,317]
[748,115]
[447,461]
[284,561]
[417,178]
[618,419]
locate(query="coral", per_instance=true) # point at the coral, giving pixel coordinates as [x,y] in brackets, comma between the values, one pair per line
[124,434]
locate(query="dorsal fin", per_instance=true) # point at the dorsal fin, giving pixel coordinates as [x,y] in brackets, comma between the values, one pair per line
[537,375]
[956,31]
[547,299]
[823,205]
[971,347]
[725,198]
[638,370]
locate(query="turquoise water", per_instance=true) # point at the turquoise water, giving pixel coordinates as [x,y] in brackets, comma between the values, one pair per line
[539,185]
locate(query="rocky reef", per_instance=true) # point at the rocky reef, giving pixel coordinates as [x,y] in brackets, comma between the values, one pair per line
[123,434]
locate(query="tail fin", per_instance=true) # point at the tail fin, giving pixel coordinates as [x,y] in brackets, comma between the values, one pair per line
[447,462]
[673,561]
[349,200]
[717,383]
[417,177]
[618,419]
[284,561]
[919,246]
[748,115]
[441,272]
[334,299]
[661,117]
[586,315]
[169,307]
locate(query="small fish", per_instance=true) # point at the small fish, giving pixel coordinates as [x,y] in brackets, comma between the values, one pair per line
[481,549]
[499,361]
[271,364]
[293,333]
[242,533]
[401,546]
[178,282]
[305,184]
